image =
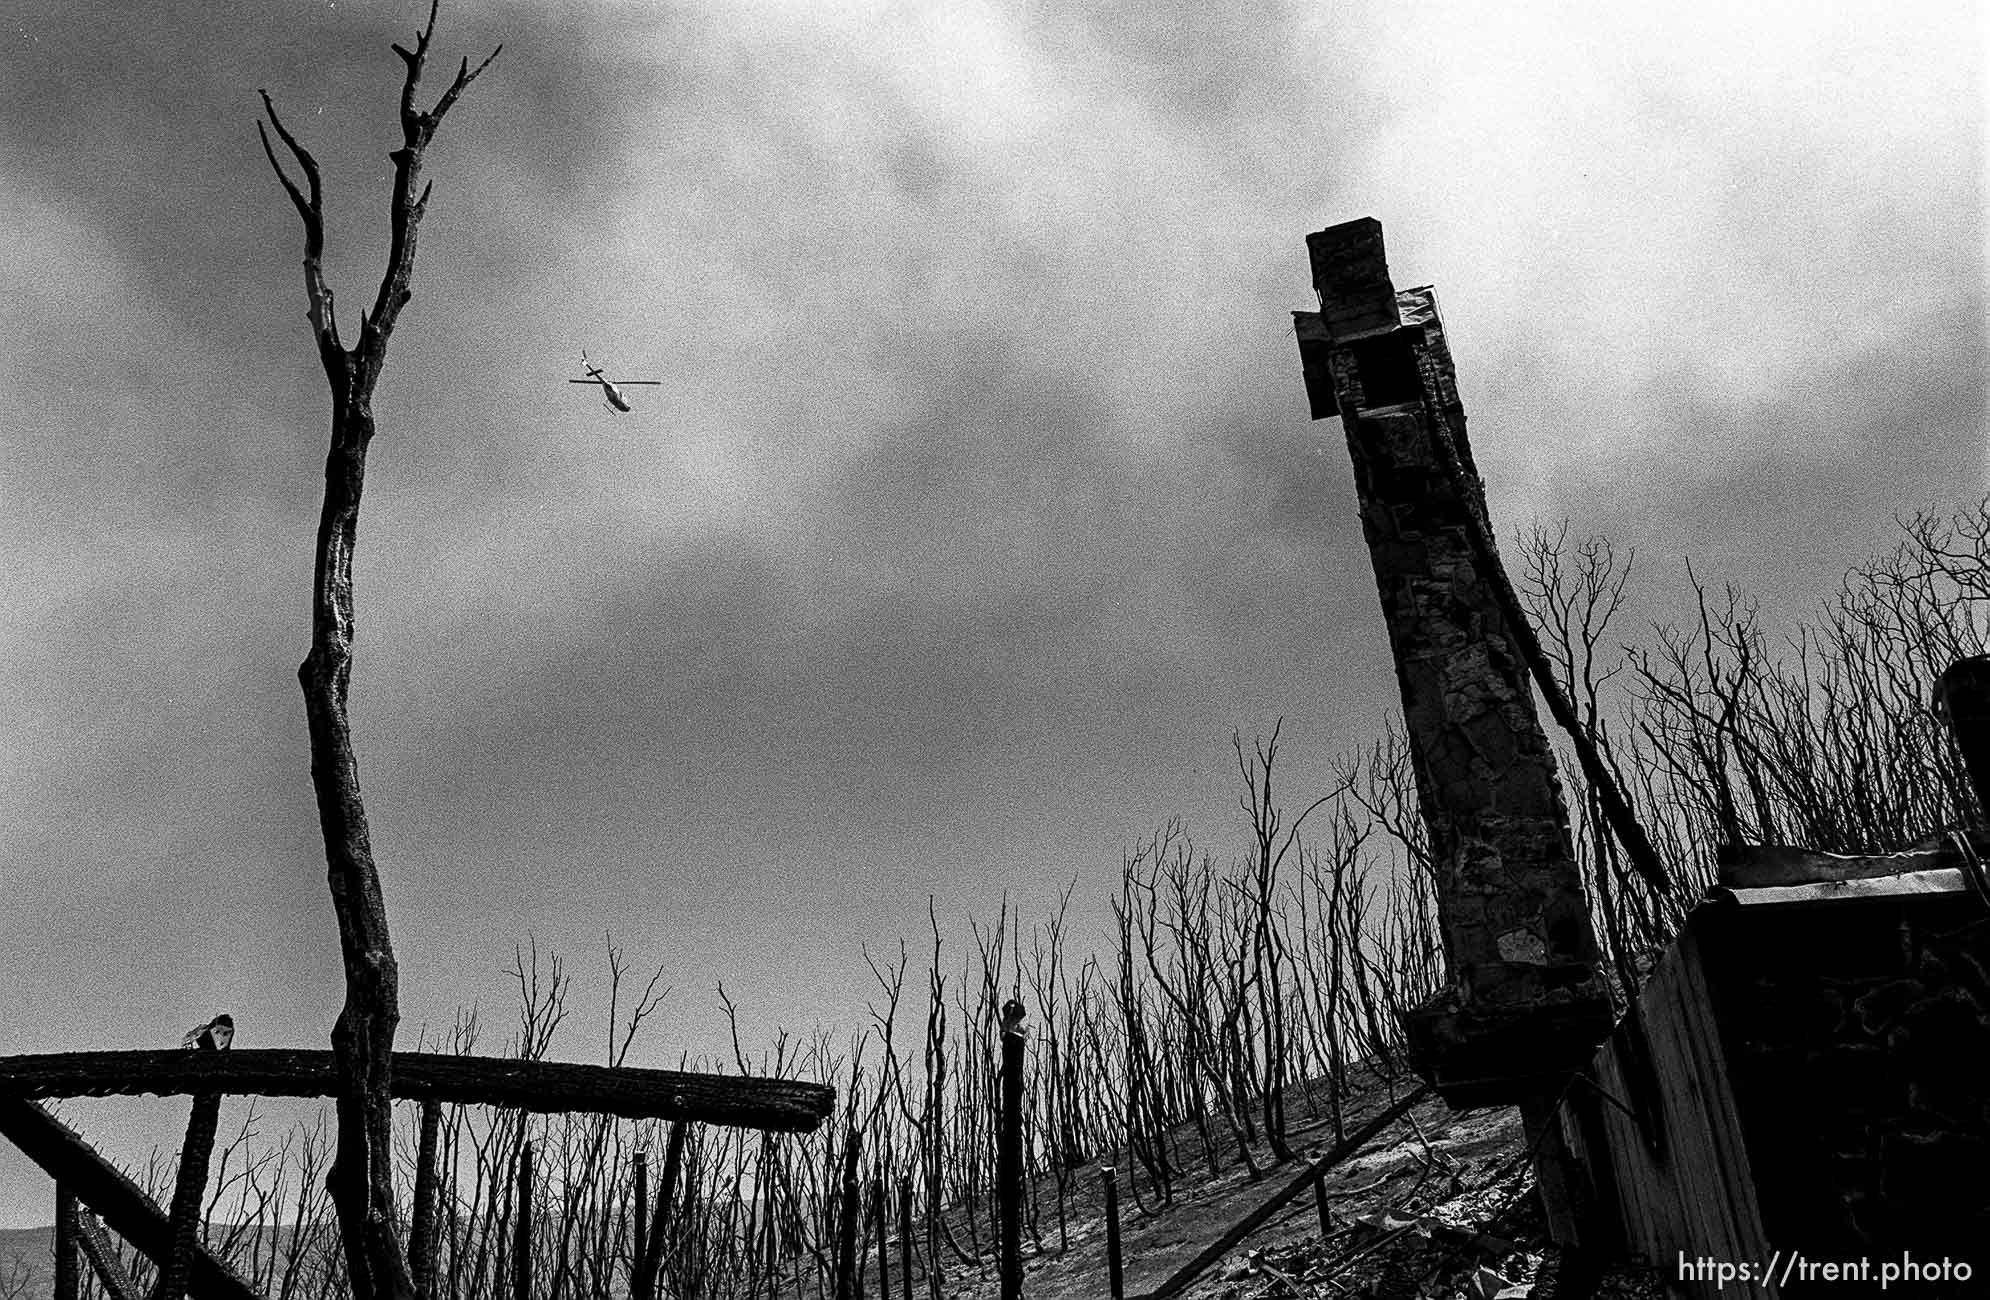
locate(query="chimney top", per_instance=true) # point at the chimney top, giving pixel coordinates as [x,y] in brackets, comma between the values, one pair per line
[1351,274]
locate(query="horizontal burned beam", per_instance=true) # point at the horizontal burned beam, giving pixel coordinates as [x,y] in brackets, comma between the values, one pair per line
[1762,866]
[780,1105]
[121,1203]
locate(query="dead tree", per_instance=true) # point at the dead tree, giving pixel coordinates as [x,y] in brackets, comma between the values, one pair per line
[361,1181]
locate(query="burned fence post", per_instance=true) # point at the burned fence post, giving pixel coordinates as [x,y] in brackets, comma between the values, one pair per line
[1526,1003]
[881,1215]
[421,1229]
[846,1222]
[905,1237]
[638,1251]
[189,1186]
[1115,1267]
[1320,1202]
[1009,1151]
[649,1262]
[68,1285]
[521,1239]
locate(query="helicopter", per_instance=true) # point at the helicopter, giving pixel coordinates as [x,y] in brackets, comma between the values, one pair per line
[610,390]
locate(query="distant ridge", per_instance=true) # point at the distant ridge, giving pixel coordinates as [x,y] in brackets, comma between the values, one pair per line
[28,1253]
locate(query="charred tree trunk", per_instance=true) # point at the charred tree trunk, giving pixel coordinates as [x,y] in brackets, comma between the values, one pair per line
[361,1180]
[1009,1153]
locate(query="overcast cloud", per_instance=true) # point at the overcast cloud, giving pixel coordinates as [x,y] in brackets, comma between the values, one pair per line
[978,504]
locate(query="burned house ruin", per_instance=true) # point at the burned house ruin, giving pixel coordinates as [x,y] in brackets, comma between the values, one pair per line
[1799,1077]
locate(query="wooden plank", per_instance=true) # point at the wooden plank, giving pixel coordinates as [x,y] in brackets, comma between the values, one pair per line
[133,1215]
[1648,1211]
[552,1087]
[1697,1197]
[1692,1176]
[1723,1131]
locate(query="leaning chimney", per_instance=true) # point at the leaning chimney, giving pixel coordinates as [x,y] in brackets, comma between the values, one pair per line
[1526,1004]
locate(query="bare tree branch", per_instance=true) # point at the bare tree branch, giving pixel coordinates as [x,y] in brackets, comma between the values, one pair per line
[324,319]
[361,1180]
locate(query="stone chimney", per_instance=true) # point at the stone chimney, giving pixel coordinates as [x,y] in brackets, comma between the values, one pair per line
[1526,1004]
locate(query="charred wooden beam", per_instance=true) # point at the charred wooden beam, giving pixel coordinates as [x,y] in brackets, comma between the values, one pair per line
[97,1249]
[547,1087]
[76,1166]
[1762,866]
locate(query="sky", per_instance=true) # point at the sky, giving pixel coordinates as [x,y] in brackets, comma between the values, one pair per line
[977,505]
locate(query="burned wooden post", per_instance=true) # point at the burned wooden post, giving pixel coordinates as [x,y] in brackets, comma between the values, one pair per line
[649,1260]
[1009,1151]
[881,1215]
[189,1186]
[846,1221]
[521,1234]
[68,1285]
[1526,1002]
[905,1237]
[1115,1266]
[638,1251]
[421,1226]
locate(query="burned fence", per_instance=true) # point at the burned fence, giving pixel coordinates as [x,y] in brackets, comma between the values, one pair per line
[84,1176]
[777,1105]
